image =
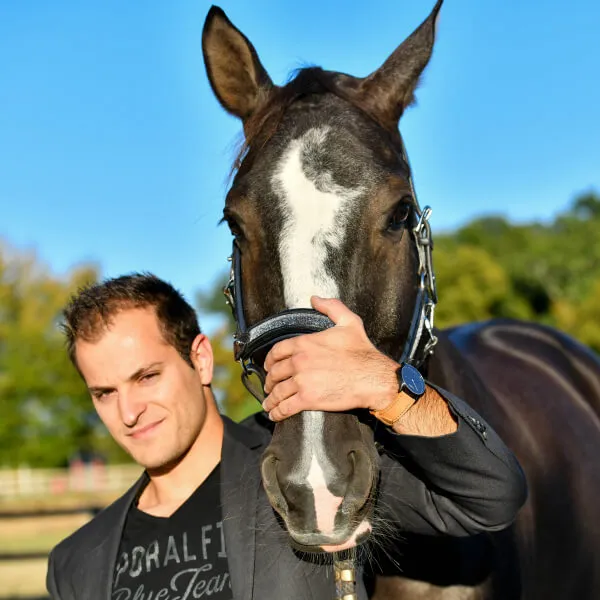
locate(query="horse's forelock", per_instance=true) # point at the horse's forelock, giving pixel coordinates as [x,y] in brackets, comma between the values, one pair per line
[260,127]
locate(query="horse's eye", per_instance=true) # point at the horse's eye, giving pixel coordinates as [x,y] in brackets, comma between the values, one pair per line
[400,215]
[233,225]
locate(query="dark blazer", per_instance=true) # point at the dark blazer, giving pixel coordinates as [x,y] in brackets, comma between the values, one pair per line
[478,485]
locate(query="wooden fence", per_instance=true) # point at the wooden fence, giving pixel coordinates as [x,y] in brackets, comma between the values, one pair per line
[39,507]
[85,478]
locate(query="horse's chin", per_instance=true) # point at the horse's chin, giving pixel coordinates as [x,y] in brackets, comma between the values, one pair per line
[359,536]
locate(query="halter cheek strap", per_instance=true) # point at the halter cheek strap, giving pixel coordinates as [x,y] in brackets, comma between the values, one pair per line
[421,338]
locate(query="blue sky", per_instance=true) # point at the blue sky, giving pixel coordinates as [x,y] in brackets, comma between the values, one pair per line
[113,149]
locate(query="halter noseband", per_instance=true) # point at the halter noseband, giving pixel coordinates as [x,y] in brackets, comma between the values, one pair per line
[251,344]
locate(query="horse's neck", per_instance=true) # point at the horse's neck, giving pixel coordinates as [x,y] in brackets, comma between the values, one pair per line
[450,369]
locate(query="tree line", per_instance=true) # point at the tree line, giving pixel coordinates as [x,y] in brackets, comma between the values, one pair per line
[545,272]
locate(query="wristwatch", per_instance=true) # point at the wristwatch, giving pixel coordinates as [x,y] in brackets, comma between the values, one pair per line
[411,386]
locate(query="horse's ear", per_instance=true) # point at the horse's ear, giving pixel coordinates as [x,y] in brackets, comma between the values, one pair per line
[236,75]
[389,90]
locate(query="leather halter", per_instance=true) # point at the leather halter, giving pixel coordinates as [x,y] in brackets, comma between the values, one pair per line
[252,343]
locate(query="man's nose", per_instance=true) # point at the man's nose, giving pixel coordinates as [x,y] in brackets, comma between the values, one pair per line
[130,407]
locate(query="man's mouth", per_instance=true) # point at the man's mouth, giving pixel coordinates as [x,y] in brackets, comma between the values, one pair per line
[147,430]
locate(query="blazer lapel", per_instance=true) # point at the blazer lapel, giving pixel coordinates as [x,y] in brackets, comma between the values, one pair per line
[93,578]
[240,468]
[95,572]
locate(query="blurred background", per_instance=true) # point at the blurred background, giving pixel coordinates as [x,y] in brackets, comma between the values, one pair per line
[115,156]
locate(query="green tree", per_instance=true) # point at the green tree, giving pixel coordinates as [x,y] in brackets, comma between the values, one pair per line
[546,264]
[47,415]
[472,286]
[582,320]
[587,206]
[231,395]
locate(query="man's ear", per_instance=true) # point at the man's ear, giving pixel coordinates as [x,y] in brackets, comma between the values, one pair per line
[201,355]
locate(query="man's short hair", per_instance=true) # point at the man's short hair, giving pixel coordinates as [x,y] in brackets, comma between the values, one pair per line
[91,310]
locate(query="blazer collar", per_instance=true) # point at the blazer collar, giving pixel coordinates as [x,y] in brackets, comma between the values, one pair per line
[241,481]
[97,565]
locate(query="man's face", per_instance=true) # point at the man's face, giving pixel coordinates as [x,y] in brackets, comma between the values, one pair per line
[152,402]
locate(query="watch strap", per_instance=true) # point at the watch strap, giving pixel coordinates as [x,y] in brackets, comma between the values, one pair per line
[394,411]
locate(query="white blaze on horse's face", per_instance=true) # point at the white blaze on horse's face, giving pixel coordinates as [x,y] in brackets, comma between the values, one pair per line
[314,214]
[326,504]
[315,211]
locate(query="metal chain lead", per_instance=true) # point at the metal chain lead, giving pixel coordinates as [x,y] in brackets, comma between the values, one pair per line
[427,294]
[424,242]
[229,289]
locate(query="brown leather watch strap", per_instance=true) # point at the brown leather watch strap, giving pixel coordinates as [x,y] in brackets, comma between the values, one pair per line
[394,412]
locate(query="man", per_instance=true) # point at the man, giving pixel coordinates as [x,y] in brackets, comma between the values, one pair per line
[137,344]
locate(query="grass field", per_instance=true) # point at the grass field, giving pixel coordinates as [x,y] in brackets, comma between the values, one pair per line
[31,525]
[37,534]
[25,578]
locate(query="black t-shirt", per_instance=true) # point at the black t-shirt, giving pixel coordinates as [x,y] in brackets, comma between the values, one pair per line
[176,558]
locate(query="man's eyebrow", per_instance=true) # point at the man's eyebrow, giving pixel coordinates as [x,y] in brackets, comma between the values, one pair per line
[133,377]
[95,390]
[142,370]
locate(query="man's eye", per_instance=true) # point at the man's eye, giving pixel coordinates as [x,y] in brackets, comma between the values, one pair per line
[149,376]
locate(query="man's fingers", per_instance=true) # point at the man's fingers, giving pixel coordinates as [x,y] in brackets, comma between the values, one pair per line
[280,371]
[286,409]
[279,351]
[281,392]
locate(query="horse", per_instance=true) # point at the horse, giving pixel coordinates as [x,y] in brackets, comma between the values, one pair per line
[322,202]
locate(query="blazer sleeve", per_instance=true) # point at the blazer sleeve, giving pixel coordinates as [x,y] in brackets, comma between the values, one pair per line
[459,484]
[51,578]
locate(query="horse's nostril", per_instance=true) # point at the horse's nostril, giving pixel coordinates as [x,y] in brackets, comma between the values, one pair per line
[272,485]
[352,460]
[360,480]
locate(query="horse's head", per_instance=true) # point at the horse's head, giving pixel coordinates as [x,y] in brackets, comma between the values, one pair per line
[322,203]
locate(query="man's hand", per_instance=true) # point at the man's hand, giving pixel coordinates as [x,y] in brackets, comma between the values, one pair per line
[336,370]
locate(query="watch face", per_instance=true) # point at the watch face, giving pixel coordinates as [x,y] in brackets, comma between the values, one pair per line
[413,380]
